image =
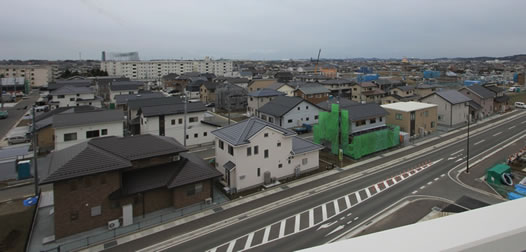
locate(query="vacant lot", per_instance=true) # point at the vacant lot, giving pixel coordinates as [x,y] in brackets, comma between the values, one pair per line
[517,97]
[15,221]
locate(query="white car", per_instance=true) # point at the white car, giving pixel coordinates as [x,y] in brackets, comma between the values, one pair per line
[520,105]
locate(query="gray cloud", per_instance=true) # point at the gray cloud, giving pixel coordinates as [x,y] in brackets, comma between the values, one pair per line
[271,29]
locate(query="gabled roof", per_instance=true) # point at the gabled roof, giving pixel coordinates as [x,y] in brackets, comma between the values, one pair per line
[481,92]
[125,98]
[495,89]
[281,105]
[367,84]
[337,82]
[172,109]
[276,86]
[474,105]
[66,90]
[85,118]
[265,92]
[138,146]
[365,111]
[343,102]
[451,96]
[313,88]
[211,86]
[76,83]
[300,145]
[125,85]
[406,88]
[156,101]
[241,132]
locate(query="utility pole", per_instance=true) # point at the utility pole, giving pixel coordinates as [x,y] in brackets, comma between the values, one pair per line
[467,147]
[35,152]
[184,124]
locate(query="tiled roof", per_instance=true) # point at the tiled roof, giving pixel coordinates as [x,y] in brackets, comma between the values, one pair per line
[126,85]
[344,103]
[337,82]
[365,111]
[211,86]
[495,89]
[85,118]
[406,88]
[313,88]
[451,96]
[156,101]
[172,109]
[66,90]
[241,132]
[300,145]
[265,92]
[366,84]
[481,91]
[280,105]
[125,98]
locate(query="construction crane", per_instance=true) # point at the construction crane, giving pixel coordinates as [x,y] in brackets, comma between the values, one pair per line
[317,62]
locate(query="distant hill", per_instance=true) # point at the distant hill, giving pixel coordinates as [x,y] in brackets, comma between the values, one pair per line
[519,57]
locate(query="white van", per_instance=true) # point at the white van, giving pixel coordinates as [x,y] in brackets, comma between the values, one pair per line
[520,105]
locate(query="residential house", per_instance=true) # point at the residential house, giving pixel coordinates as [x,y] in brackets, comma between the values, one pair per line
[254,152]
[230,97]
[344,103]
[401,94]
[207,92]
[72,96]
[102,85]
[121,101]
[286,88]
[133,107]
[367,92]
[452,107]
[425,89]
[386,84]
[52,86]
[73,127]
[365,117]
[284,77]
[289,112]
[482,97]
[168,120]
[256,85]
[114,179]
[124,87]
[501,101]
[241,82]
[257,99]
[312,92]
[169,82]
[312,78]
[339,87]
[416,118]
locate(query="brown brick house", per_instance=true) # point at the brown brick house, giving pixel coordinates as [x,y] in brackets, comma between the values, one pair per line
[93,182]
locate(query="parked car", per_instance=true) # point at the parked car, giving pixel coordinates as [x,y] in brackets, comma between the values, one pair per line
[18,140]
[520,105]
[3,114]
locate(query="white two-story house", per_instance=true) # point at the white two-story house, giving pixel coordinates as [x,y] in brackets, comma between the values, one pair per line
[289,112]
[73,128]
[168,120]
[73,96]
[254,152]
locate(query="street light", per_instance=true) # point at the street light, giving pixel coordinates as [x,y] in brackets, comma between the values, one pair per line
[467,145]
[185,96]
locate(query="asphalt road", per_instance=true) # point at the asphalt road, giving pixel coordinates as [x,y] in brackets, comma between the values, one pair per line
[15,113]
[235,236]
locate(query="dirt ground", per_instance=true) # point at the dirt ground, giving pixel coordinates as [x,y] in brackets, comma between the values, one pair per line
[16,222]
[328,157]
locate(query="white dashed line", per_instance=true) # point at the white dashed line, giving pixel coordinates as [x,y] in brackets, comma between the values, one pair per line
[422,187]
[311,219]
[479,142]
[282,227]
[496,134]
[324,212]
[348,201]
[367,192]
[414,192]
[297,224]
[430,182]
[511,127]
[386,185]
[265,234]
[436,179]
[249,239]
[358,198]
[231,246]
[442,175]
[456,152]
[337,206]
[349,222]
[377,188]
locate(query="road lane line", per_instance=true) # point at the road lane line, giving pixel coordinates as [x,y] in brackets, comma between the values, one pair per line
[511,127]
[265,235]
[456,152]
[323,212]
[282,226]
[523,122]
[479,142]
[378,188]
[368,192]
[496,134]
[436,179]
[212,250]
[248,243]
[386,185]
[443,174]
[430,182]
[394,181]
[422,187]
[336,206]
[297,224]
[414,192]
[358,198]
[347,201]
[231,246]
[311,219]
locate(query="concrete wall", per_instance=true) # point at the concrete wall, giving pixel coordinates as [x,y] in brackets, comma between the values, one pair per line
[114,129]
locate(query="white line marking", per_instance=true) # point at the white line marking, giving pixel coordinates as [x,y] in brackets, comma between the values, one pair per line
[349,214]
[355,218]
[479,142]
[358,198]
[213,250]
[436,179]
[336,206]
[311,218]
[297,224]
[523,122]
[456,152]
[265,234]
[511,127]
[386,185]
[347,201]
[430,182]
[394,181]
[349,222]
[377,188]
[460,159]
[367,192]
[282,228]
[422,187]
[249,240]
[338,228]
[414,192]
[324,212]
[443,175]
[342,218]
[496,134]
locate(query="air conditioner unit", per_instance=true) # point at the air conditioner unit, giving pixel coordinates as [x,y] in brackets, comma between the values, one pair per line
[113,224]
[208,201]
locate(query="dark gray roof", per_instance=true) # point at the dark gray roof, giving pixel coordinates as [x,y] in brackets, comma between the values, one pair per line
[126,85]
[365,111]
[502,99]
[276,86]
[481,91]
[156,101]
[210,85]
[313,88]
[451,96]
[474,105]
[337,82]
[77,83]
[66,90]
[300,145]
[280,105]
[172,109]
[229,165]
[426,86]
[406,88]
[241,132]
[138,146]
[265,92]
[495,89]
[170,76]
[366,84]
[88,117]
[344,103]
[196,169]
[125,98]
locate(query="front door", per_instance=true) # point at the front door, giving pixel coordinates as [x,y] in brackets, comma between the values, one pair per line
[412,123]
[161,125]
[127,215]
[227,177]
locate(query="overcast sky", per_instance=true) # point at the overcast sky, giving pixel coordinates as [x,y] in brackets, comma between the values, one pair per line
[263,29]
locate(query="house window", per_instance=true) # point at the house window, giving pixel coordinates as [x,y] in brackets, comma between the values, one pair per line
[193,119]
[71,99]
[289,161]
[398,116]
[173,121]
[372,120]
[432,124]
[280,165]
[264,117]
[60,96]
[279,144]
[180,120]
[95,211]
[306,119]
[298,108]
[221,145]
[304,161]
[205,134]
[360,123]
[70,137]
[271,120]
[265,135]
[315,117]
[103,132]
[265,154]
[307,107]
[196,135]
[92,133]
[259,172]
[249,151]
[231,150]
[256,150]
[426,113]
[439,117]
[193,189]
[187,137]
[380,119]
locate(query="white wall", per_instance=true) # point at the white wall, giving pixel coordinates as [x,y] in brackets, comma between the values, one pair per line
[114,129]
[297,117]
[150,125]
[121,92]
[380,122]
[449,115]
[256,103]
[68,102]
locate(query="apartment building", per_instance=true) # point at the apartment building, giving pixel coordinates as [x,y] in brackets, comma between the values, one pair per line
[154,70]
[37,75]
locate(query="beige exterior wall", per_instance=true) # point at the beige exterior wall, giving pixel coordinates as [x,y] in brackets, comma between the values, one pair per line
[37,75]
[425,119]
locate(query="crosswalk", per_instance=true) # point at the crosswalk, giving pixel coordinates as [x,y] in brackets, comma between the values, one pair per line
[314,216]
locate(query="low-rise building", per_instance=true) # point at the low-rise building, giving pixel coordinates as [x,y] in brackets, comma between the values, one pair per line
[230,97]
[286,88]
[37,75]
[416,118]
[257,99]
[114,179]
[312,92]
[362,116]
[482,97]
[71,96]
[339,87]
[207,92]
[289,112]
[367,92]
[401,94]
[501,101]
[124,87]
[426,89]
[452,107]
[254,152]
[256,85]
